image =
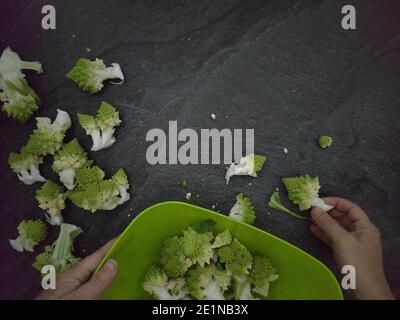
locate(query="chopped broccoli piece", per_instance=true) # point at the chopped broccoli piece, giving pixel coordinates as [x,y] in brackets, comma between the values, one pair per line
[262,273]
[31,232]
[60,253]
[197,246]
[26,166]
[303,191]
[248,166]
[155,281]
[89,75]
[325,141]
[20,100]
[102,127]
[93,193]
[68,160]
[52,199]
[243,210]
[236,257]
[275,203]
[222,239]
[173,257]
[49,136]
[184,184]
[208,283]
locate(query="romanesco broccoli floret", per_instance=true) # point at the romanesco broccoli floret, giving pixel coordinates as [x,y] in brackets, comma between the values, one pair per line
[222,239]
[121,180]
[208,283]
[243,210]
[93,193]
[276,203]
[49,136]
[197,246]
[248,166]
[303,191]
[155,281]
[51,199]
[325,141]
[173,258]
[89,75]
[236,257]
[262,273]
[102,126]
[20,100]
[60,253]
[31,232]
[68,160]
[26,166]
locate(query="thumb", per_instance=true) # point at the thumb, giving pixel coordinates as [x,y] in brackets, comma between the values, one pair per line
[100,281]
[327,224]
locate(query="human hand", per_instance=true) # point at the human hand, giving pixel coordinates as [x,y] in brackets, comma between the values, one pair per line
[77,282]
[355,241]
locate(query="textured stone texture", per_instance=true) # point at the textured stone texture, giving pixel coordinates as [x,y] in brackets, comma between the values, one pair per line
[285,68]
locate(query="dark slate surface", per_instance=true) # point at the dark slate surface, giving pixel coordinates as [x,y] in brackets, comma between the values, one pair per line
[285,68]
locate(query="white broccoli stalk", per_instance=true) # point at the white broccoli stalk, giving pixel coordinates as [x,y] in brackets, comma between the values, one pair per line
[248,166]
[26,166]
[303,191]
[102,127]
[89,75]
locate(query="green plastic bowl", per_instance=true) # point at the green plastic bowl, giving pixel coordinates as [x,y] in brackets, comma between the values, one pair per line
[301,276]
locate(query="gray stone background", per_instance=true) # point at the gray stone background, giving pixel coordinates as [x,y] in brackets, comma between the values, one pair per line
[285,68]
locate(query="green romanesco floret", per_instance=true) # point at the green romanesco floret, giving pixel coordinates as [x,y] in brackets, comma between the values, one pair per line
[325,141]
[262,273]
[26,166]
[236,257]
[222,239]
[243,210]
[31,232]
[60,253]
[101,127]
[155,281]
[20,100]
[208,283]
[247,166]
[276,203]
[49,136]
[173,258]
[68,160]
[51,199]
[89,75]
[93,193]
[303,191]
[197,246]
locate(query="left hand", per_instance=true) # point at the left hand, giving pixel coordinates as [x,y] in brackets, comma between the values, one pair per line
[79,283]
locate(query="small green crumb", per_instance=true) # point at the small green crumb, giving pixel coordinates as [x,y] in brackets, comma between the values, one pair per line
[88,50]
[184,184]
[325,141]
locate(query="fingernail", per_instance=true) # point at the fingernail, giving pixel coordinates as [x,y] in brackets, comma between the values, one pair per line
[111,266]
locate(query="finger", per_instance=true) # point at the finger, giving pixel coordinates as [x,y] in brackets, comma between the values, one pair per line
[98,284]
[353,211]
[319,234]
[342,218]
[327,224]
[83,270]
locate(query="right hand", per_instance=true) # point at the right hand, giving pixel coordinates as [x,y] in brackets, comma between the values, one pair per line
[355,241]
